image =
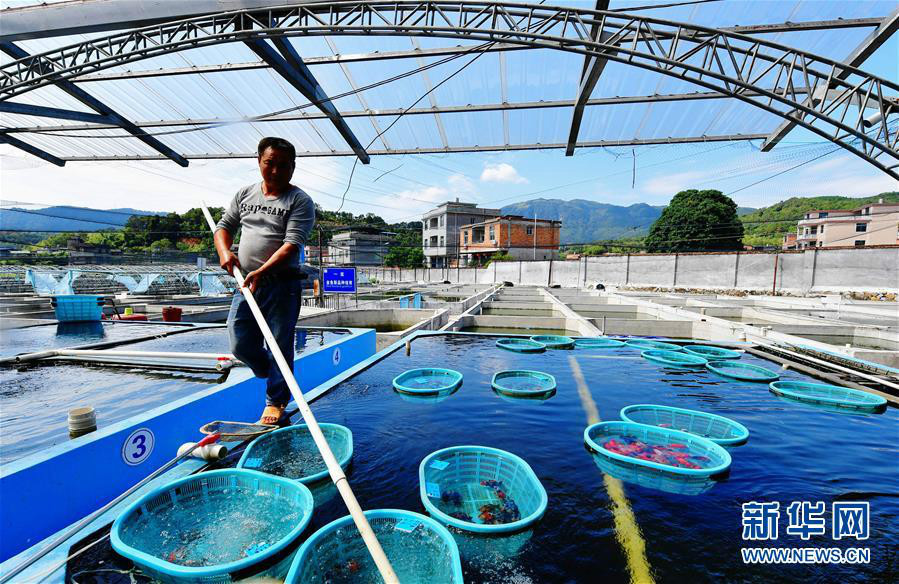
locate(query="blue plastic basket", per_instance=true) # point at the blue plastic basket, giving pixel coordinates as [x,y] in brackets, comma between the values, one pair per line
[521,345]
[674,358]
[598,343]
[524,383]
[554,341]
[718,429]
[216,526]
[710,352]
[428,380]
[645,344]
[77,307]
[742,371]
[715,460]
[481,489]
[829,395]
[291,453]
[420,550]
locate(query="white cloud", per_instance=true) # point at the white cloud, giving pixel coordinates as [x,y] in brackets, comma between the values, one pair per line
[502,172]
[670,184]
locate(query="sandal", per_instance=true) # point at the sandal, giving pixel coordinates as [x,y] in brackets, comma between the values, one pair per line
[272,415]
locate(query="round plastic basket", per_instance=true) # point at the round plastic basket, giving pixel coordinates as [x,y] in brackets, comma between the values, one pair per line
[598,343]
[291,453]
[710,352]
[633,447]
[216,526]
[420,550]
[645,344]
[481,489]
[521,345]
[718,429]
[829,395]
[674,358]
[523,383]
[554,341]
[428,380]
[742,371]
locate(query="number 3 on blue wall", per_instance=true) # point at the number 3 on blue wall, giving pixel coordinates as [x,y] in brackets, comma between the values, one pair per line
[138,446]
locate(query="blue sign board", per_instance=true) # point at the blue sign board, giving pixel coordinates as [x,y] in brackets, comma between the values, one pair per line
[340,280]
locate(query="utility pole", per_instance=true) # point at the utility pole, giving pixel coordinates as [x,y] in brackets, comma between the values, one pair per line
[321,272]
[535,235]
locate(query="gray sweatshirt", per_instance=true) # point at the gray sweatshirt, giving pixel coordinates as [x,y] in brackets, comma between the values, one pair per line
[266,224]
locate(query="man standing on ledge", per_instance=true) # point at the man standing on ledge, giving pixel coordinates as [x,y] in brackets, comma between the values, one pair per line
[275,219]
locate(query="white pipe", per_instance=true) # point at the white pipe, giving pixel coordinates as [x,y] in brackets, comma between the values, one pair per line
[337,475]
[149,354]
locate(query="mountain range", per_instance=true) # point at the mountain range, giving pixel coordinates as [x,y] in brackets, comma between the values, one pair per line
[585,221]
[65,218]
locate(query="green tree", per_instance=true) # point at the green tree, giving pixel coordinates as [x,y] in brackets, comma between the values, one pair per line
[161,245]
[697,221]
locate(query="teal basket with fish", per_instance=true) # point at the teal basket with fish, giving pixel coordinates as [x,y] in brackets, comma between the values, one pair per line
[420,550]
[524,383]
[645,344]
[554,341]
[674,358]
[830,396]
[598,343]
[718,429]
[427,380]
[215,527]
[711,353]
[291,452]
[742,371]
[481,489]
[521,345]
[639,446]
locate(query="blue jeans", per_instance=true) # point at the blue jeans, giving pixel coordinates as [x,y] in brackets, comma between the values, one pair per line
[279,301]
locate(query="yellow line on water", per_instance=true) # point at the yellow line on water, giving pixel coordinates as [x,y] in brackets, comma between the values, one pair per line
[627,532]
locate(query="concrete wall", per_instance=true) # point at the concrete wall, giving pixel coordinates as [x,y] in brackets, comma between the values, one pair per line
[838,270]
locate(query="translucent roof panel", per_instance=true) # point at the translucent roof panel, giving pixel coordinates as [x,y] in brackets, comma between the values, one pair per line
[217,100]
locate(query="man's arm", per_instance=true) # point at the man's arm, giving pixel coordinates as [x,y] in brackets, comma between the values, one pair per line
[224,236]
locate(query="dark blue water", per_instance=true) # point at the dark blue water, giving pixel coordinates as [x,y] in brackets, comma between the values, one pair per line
[35,400]
[795,453]
[73,334]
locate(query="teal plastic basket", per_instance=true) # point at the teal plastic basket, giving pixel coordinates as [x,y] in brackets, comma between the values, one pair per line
[674,358]
[710,352]
[524,383]
[215,527]
[291,453]
[521,345]
[718,429]
[713,460]
[648,344]
[742,371]
[428,380]
[420,550]
[77,307]
[598,343]
[481,489]
[554,341]
[832,396]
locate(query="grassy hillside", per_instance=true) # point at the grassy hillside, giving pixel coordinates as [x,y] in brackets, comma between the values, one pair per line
[767,225]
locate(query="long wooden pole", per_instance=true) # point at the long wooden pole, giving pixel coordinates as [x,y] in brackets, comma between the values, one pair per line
[337,475]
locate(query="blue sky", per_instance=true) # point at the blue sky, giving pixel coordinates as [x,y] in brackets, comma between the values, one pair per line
[412,184]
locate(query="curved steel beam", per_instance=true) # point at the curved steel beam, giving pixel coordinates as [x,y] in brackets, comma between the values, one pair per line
[732,63]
